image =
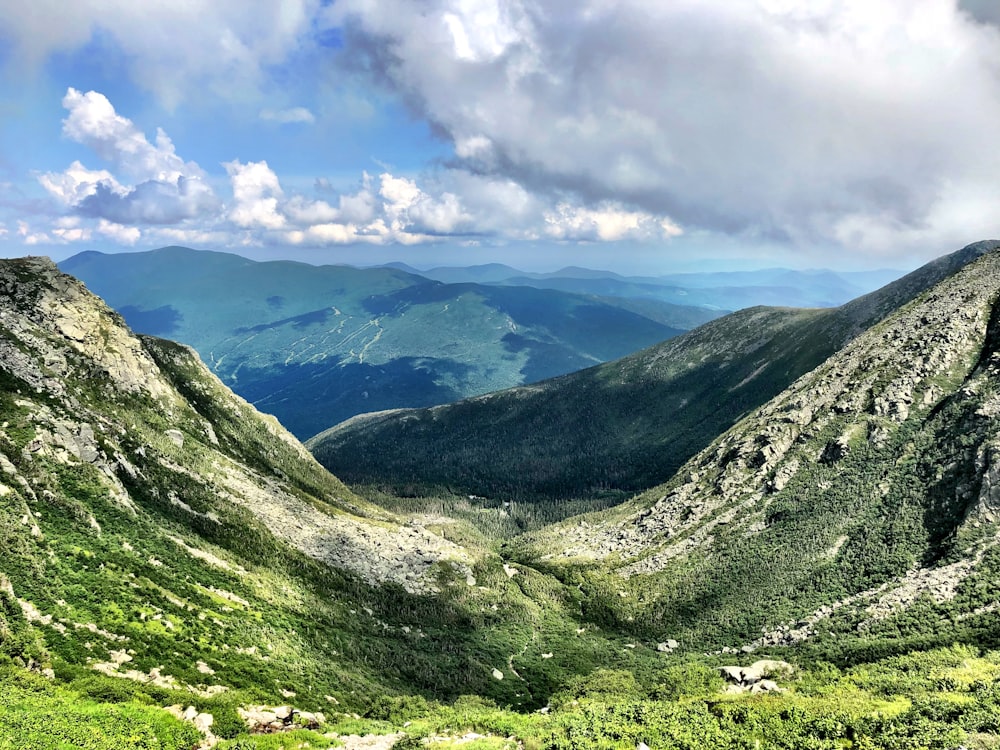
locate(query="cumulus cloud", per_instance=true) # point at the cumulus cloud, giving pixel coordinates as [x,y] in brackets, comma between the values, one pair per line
[151,202]
[151,193]
[793,120]
[291,115]
[398,210]
[77,182]
[409,209]
[93,122]
[173,48]
[121,234]
[256,192]
[29,237]
[607,223]
[167,190]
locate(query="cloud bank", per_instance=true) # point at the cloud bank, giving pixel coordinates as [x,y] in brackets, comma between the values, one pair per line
[855,123]
[150,191]
[221,47]
[851,125]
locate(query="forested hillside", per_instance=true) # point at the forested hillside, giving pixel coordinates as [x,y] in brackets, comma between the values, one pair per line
[617,428]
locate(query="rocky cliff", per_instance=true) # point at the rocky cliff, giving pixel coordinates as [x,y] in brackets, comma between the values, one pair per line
[153,421]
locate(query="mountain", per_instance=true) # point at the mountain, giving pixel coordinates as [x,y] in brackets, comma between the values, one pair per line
[316,345]
[481,274]
[178,572]
[165,543]
[616,428]
[720,291]
[715,290]
[860,503]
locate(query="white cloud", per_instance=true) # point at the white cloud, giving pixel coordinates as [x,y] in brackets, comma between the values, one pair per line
[256,192]
[409,209]
[29,237]
[171,200]
[167,189]
[795,120]
[121,234]
[77,182]
[291,115]
[175,49]
[76,234]
[93,122]
[607,223]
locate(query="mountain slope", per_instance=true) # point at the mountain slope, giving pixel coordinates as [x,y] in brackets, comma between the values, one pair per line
[860,502]
[620,427]
[144,564]
[316,345]
[152,522]
[166,544]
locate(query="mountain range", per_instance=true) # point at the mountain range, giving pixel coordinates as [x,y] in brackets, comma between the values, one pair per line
[820,573]
[721,290]
[615,428]
[316,345]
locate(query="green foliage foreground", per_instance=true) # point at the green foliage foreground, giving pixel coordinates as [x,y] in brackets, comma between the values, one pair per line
[941,699]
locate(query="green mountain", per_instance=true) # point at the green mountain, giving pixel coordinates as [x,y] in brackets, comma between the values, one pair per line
[178,571]
[316,345]
[616,428]
[860,503]
[165,543]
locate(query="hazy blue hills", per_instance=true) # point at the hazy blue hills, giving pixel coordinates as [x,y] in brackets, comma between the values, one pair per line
[722,290]
[314,345]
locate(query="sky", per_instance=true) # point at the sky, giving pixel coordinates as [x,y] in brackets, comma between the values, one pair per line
[634,135]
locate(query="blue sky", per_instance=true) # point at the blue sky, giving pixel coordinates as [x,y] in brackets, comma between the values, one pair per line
[630,135]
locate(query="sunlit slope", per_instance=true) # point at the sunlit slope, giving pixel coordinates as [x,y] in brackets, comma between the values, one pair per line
[861,501]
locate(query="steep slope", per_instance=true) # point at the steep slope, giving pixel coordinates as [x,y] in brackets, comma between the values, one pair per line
[316,345]
[143,513]
[861,501]
[156,527]
[166,544]
[617,427]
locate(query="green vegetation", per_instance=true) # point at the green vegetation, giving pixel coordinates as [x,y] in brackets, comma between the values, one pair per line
[38,715]
[145,565]
[938,699]
[608,432]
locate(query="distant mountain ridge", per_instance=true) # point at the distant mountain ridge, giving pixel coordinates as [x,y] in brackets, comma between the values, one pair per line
[317,344]
[616,428]
[722,290]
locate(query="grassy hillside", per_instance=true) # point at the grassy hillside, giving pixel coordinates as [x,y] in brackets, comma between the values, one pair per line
[167,546]
[616,428]
[316,345]
[858,506]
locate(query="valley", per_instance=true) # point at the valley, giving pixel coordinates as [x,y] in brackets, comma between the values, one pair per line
[792,540]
